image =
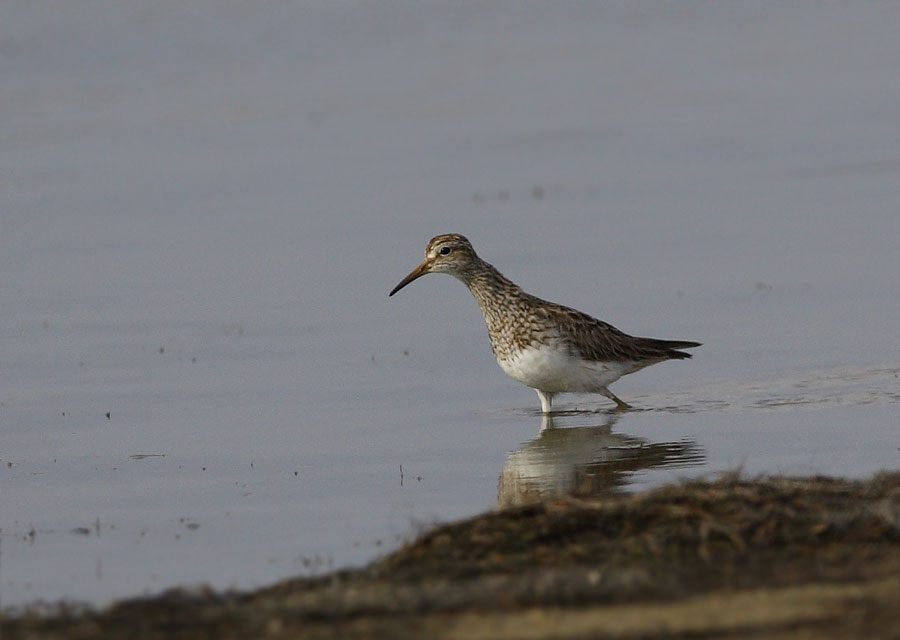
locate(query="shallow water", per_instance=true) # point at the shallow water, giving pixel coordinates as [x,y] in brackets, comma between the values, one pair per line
[203,209]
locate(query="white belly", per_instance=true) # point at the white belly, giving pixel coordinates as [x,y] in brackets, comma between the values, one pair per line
[555,370]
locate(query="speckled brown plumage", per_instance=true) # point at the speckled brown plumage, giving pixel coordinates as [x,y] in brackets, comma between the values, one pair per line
[542,344]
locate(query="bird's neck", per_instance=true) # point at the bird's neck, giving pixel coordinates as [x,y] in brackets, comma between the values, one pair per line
[494,292]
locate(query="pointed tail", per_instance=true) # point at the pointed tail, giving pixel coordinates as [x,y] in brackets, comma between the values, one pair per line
[670,347]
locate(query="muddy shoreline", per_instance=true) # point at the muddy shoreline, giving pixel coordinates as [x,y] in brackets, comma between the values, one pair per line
[777,557]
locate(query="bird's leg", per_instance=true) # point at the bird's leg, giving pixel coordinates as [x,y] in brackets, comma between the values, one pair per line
[546,400]
[546,422]
[621,405]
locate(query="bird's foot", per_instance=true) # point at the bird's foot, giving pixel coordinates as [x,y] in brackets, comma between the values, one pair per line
[621,405]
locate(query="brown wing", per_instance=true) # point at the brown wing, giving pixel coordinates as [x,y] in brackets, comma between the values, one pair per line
[598,340]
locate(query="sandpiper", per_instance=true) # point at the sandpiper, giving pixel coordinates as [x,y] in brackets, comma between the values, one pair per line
[546,346]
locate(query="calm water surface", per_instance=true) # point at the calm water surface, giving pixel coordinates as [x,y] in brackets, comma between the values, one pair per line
[202,379]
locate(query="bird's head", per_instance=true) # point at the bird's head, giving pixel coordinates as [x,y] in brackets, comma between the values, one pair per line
[449,253]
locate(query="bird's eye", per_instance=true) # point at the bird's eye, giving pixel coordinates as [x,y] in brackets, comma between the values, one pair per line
[445,251]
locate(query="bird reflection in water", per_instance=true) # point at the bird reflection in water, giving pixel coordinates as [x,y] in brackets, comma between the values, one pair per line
[585,461]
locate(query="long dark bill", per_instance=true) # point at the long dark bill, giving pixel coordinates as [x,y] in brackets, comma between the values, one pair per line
[418,272]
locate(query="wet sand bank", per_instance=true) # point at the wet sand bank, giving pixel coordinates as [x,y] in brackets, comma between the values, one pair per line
[782,557]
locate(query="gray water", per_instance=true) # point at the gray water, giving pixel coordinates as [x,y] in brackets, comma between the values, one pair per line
[202,379]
